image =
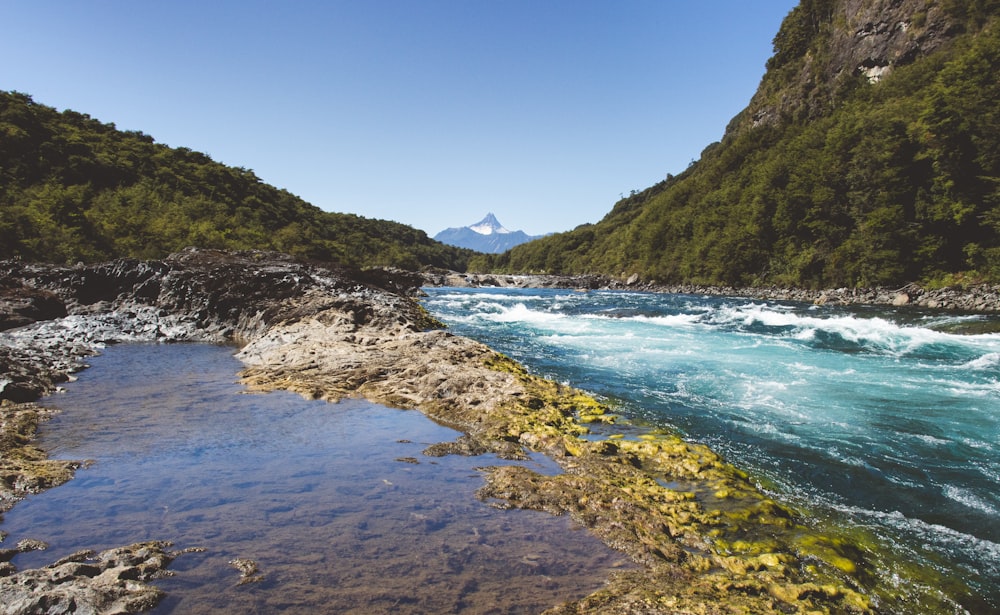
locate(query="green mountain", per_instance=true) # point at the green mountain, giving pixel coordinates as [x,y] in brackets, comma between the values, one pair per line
[75,189]
[870,155]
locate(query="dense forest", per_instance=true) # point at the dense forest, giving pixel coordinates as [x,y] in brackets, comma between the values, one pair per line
[76,189]
[839,173]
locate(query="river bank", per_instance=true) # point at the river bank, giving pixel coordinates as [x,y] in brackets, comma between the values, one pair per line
[982,298]
[706,540]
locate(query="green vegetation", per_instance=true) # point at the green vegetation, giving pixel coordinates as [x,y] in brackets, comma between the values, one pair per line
[75,189]
[856,184]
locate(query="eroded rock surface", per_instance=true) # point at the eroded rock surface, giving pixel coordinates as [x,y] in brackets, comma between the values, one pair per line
[112,581]
[25,468]
[196,295]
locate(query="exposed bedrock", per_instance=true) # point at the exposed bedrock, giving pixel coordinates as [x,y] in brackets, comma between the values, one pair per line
[706,540]
[112,581]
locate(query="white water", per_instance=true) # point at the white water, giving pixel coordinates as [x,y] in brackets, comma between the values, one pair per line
[874,418]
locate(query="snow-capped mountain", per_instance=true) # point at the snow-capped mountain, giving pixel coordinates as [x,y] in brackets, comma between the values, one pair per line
[487,235]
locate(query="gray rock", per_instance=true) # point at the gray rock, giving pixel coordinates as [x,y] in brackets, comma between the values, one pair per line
[112,581]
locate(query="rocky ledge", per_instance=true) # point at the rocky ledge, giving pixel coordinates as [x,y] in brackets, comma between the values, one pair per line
[706,540]
[112,581]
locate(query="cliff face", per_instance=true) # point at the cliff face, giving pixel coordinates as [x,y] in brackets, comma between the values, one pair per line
[825,46]
[869,156]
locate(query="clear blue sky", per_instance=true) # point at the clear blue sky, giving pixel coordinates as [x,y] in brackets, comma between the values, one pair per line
[427,112]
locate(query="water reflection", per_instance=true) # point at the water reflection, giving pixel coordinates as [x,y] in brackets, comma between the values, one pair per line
[335,503]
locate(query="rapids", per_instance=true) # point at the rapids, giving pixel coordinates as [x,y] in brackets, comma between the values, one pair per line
[882,420]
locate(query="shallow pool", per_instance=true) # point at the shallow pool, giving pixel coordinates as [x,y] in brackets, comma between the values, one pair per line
[335,502]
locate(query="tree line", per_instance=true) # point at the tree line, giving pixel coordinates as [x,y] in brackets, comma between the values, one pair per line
[75,189]
[897,182]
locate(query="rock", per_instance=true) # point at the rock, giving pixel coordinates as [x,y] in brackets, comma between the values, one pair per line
[112,581]
[195,295]
[978,298]
[21,305]
[869,38]
[24,468]
[900,299]
[248,570]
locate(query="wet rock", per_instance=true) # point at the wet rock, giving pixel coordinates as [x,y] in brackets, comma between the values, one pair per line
[24,468]
[112,581]
[248,570]
[195,295]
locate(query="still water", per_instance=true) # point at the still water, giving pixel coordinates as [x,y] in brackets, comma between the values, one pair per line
[335,502]
[879,419]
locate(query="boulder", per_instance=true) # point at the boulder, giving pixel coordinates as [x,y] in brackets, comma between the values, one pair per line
[22,305]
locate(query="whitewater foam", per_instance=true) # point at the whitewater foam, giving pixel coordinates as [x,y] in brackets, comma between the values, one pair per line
[870,409]
[938,537]
[989,360]
[970,499]
[874,334]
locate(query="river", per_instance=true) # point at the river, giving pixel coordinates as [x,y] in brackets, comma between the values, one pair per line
[335,503]
[872,419]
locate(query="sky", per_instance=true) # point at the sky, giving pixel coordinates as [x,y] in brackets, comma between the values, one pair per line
[427,112]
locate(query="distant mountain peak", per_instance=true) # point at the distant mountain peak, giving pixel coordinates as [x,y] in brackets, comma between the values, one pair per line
[487,235]
[488,226]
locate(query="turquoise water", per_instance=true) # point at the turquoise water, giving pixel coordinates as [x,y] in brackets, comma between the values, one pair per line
[872,418]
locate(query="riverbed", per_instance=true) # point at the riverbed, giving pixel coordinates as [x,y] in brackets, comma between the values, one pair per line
[300,505]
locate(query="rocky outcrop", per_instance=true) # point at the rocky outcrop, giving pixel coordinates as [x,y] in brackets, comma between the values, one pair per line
[112,581]
[196,295]
[25,468]
[869,38]
[22,305]
[881,35]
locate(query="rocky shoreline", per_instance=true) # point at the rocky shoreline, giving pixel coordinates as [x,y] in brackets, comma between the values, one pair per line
[706,539]
[52,318]
[979,298]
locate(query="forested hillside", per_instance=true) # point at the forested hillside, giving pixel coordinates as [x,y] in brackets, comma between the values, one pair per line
[869,156]
[75,189]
